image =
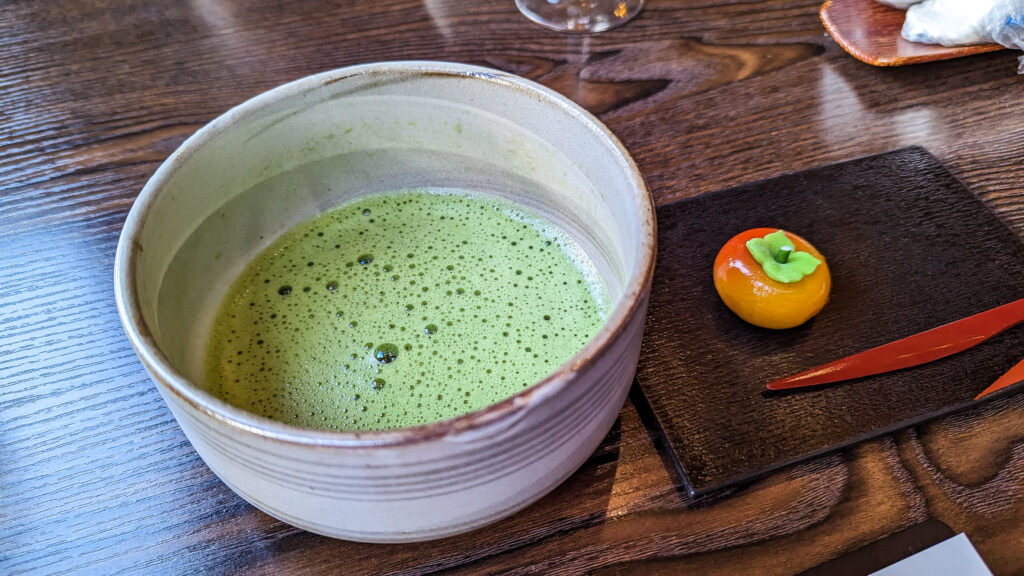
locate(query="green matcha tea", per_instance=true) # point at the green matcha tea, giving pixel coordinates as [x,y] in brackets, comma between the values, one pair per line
[400,309]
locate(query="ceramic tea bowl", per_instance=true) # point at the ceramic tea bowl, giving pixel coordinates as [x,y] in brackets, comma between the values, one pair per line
[310,145]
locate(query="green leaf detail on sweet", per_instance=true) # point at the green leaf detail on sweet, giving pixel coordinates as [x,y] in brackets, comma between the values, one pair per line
[771,253]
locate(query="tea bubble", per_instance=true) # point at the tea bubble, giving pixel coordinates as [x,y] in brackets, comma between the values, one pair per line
[386,353]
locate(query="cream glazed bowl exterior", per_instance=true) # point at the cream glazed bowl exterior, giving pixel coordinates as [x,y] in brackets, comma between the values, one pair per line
[305,147]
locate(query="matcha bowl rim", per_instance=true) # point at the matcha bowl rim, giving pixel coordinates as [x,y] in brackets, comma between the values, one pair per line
[160,368]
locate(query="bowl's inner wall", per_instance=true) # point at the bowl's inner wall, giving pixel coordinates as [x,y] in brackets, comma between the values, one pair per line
[301,155]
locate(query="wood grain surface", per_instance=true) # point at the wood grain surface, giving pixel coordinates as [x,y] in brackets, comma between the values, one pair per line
[95,476]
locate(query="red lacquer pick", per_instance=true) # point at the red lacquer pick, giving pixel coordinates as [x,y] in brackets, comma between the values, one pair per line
[1014,375]
[918,349]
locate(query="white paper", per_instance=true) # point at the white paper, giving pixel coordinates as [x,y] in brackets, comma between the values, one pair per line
[953,557]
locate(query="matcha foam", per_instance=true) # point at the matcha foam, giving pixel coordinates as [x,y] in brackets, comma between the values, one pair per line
[400,309]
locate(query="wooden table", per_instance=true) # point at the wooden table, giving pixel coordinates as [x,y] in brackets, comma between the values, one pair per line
[95,475]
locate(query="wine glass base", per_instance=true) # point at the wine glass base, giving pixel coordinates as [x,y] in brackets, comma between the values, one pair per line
[580,16]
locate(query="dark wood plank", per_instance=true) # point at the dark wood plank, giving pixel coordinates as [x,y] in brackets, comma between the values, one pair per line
[870,32]
[95,476]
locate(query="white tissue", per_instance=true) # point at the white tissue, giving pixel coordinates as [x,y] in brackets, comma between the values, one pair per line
[965,22]
[949,22]
[901,4]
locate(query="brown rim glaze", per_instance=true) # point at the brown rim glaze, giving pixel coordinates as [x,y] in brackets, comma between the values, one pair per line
[128,248]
